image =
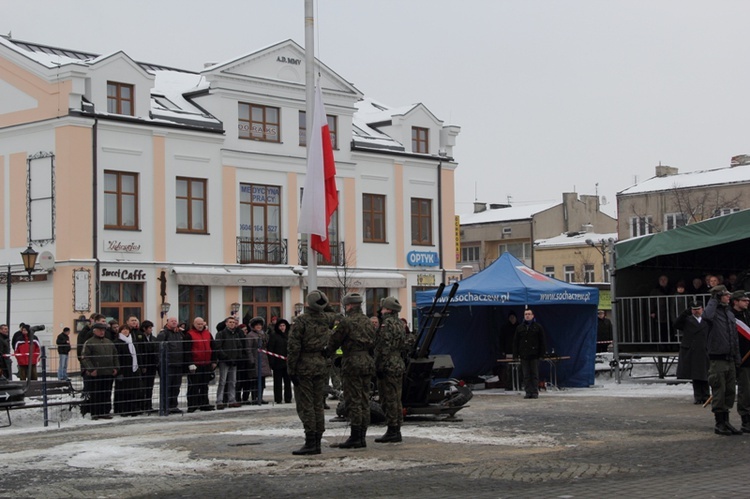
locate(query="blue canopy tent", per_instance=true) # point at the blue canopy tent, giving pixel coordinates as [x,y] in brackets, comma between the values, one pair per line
[481,306]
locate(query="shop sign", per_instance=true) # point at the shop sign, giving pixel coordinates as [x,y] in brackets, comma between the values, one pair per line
[423,259]
[114,246]
[109,274]
[425,279]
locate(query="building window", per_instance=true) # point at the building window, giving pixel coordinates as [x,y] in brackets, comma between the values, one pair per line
[588,273]
[120,300]
[640,226]
[332,129]
[334,297]
[193,303]
[522,251]
[373,218]
[569,272]
[120,200]
[372,300]
[120,98]
[421,221]
[260,301]
[470,253]
[674,220]
[258,122]
[260,219]
[420,140]
[725,211]
[549,271]
[191,205]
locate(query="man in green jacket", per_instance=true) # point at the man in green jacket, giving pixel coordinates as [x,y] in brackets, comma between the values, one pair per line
[99,358]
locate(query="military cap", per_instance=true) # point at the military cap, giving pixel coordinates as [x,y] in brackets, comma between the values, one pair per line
[352,298]
[739,294]
[719,290]
[695,305]
[99,325]
[317,300]
[392,303]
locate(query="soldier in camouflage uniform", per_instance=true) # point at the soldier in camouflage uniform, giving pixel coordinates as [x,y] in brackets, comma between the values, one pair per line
[308,368]
[389,366]
[356,337]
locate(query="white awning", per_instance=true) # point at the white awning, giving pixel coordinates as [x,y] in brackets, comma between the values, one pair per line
[285,277]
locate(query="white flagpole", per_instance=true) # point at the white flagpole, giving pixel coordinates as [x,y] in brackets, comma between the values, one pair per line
[312,261]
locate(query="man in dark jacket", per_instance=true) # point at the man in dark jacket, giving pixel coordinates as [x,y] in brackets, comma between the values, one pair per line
[277,344]
[740,302]
[99,358]
[529,345]
[174,341]
[230,348]
[724,358]
[63,349]
[692,362]
[146,345]
[603,332]
[5,362]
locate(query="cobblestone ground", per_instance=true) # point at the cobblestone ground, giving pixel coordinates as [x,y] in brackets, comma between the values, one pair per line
[560,445]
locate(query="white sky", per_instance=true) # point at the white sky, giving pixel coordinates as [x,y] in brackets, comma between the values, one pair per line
[551,95]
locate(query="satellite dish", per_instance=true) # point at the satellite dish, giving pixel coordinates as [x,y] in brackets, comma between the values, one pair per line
[46,260]
[604,200]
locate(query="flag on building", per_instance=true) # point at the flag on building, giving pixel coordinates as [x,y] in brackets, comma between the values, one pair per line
[320,198]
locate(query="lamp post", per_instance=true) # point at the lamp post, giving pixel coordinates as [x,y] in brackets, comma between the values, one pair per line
[28,256]
[165,309]
[234,308]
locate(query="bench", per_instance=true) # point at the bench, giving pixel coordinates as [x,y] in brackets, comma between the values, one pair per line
[39,393]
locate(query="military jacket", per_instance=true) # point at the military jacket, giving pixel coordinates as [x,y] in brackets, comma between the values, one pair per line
[389,345]
[308,340]
[355,334]
[100,354]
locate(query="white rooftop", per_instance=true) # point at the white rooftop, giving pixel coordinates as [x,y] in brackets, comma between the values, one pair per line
[505,214]
[701,178]
[575,239]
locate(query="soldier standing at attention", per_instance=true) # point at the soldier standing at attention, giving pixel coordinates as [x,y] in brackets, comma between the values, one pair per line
[356,337]
[308,368]
[389,366]
[529,346]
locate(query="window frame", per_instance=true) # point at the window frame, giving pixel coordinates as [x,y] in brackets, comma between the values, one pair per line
[135,194]
[333,129]
[421,219]
[641,226]
[192,303]
[264,122]
[569,273]
[125,308]
[118,99]
[469,251]
[420,140]
[589,272]
[373,217]
[549,271]
[672,220]
[190,199]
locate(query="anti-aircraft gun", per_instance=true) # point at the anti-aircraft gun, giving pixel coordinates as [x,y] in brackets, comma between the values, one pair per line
[428,388]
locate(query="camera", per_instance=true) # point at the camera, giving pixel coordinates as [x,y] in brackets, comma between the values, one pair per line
[34,329]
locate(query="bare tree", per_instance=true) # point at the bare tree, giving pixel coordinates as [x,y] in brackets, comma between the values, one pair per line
[697,205]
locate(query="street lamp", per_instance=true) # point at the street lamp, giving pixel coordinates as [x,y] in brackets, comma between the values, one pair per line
[234,308]
[29,262]
[165,309]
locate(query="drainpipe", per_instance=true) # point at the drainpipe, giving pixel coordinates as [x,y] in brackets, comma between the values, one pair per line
[95,211]
[440,219]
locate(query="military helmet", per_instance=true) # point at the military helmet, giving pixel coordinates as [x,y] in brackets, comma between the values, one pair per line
[352,298]
[391,303]
[317,300]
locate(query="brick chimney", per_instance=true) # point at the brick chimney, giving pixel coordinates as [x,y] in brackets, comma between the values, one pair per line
[665,171]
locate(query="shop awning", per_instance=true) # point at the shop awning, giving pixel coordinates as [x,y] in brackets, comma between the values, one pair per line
[284,277]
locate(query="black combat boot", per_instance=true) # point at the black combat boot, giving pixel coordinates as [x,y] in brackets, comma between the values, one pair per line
[732,429]
[318,438]
[393,434]
[354,441]
[721,427]
[362,435]
[746,423]
[310,446]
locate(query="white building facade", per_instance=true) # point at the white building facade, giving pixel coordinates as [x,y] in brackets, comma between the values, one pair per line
[143,185]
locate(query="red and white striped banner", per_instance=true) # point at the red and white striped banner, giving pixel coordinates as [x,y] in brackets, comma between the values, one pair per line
[272,354]
[743,329]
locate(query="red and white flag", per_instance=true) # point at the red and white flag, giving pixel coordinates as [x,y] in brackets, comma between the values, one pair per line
[743,329]
[320,198]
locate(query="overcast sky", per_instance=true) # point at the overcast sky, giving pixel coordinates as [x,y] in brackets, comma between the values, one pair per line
[551,95]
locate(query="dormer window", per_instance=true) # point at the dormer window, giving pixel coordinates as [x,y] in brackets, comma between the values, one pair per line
[120,98]
[420,140]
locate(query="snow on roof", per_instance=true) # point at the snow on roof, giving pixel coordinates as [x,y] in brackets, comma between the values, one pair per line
[168,95]
[701,178]
[505,214]
[369,111]
[573,239]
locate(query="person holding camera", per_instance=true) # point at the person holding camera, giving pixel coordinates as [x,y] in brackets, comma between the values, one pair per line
[27,352]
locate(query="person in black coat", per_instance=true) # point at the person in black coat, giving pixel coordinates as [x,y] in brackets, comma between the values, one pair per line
[529,345]
[692,362]
[282,384]
[128,380]
[603,332]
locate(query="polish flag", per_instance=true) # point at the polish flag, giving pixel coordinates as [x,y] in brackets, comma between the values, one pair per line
[743,329]
[319,199]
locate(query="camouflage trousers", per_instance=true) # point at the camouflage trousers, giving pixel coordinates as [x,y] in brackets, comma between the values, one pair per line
[389,394]
[357,398]
[722,378]
[309,394]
